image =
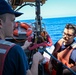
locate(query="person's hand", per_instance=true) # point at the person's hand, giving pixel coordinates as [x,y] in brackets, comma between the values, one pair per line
[26,44]
[73,45]
[37,57]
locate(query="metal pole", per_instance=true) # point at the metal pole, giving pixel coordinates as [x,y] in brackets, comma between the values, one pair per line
[38,17]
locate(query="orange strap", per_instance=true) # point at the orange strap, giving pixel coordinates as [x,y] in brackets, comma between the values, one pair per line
[58,45]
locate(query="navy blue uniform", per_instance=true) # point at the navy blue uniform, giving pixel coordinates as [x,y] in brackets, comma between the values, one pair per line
[15,62]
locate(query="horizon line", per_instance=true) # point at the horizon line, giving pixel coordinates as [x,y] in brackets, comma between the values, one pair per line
[49,17]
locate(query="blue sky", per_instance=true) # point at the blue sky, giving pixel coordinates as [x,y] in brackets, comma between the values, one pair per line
[51,9]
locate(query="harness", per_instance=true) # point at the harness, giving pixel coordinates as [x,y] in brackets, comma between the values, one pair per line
[5,46]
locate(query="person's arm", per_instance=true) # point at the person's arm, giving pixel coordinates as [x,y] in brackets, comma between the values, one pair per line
[35,45]
[34,68]
[49,41]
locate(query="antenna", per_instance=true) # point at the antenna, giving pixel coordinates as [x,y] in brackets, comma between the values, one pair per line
[38,17]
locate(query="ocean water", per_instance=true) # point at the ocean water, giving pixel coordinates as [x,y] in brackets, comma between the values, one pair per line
[54,26]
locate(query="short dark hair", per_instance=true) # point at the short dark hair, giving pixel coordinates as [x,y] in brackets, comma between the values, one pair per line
[71,26]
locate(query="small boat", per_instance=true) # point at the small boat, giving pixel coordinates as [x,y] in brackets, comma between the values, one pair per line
[24,30]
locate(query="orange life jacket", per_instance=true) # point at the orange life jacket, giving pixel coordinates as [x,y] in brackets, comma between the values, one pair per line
[62,56]
[4,49]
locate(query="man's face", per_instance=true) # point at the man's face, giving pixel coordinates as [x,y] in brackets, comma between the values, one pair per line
[8,25]
[68,36]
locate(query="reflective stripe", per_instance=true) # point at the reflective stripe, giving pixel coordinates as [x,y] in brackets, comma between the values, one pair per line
[6,42]
[3,51]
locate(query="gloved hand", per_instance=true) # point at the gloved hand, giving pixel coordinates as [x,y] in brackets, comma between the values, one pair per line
[73,45]
[26,44]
